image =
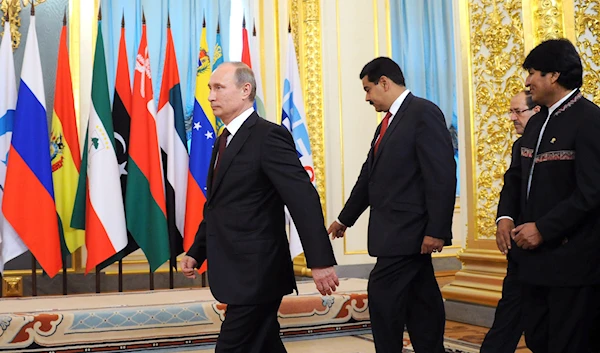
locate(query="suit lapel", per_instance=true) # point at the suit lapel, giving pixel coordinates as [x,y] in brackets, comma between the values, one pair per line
[232,150]
[390,130]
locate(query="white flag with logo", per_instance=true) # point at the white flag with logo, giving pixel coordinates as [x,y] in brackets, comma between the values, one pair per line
[294,119]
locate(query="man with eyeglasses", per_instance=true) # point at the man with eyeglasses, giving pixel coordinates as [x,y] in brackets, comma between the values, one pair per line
[505,333]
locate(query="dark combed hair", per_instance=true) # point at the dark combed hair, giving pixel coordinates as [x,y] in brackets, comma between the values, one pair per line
[529,100]
[557,55]
[383,66]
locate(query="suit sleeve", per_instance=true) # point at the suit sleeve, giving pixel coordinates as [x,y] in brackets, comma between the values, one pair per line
[198,248]
[585,199]
[358,201]
[435,156]
[280,163]
[510,197]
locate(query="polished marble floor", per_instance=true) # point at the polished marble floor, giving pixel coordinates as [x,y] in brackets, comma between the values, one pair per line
[362,344]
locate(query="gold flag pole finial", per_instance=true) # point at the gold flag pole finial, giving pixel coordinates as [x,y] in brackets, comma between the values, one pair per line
[65,17]
[244,21]
[123,19]
[143,18]
[203,20]
[289,26]
[168,20]
[218,27]
[33,8]
[254,28]
[100,13]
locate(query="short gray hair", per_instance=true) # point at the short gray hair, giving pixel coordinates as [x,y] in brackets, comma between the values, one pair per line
[243,75]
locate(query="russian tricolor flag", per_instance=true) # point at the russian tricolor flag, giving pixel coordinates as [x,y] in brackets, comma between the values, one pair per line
[28,202]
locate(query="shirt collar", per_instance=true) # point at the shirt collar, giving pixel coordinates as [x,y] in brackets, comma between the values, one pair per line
[561,101]
[398,102]
[238,121]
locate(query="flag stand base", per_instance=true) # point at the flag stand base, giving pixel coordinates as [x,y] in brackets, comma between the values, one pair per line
[300,268]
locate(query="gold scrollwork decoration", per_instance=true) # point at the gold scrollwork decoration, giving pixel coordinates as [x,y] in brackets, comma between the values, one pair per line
[13,9]
[587,32]
[497,50]
[306,30]
[549,20]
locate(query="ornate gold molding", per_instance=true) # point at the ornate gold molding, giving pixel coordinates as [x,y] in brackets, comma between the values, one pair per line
[587,33]
[496,34]
[12,286]
[306,30]
[13,8]
[547,19]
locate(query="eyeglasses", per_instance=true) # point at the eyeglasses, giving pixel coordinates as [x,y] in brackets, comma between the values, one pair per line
[518,112]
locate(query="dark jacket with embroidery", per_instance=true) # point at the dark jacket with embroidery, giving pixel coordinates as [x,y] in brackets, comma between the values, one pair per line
[564,197]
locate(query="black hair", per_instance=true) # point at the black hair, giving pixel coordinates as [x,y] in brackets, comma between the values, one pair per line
[557,55]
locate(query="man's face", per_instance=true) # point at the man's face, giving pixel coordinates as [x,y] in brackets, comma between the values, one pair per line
[520,113]
[540,86]
[375,94]
[226,98]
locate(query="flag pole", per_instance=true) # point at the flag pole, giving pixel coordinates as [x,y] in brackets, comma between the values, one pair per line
[64,267]
[120,275]
[33,262]
[172,260]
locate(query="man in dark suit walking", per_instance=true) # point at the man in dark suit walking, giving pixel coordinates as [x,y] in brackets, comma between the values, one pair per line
[256,172]
[505,333]
[556,240]
[409,181]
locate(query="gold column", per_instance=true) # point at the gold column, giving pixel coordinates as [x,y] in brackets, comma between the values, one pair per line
[496,35]
[306,30]
[587,35]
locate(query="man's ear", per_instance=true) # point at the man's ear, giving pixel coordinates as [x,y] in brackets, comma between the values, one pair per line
[384,82]
[554,76]
[537,109]
[246,88]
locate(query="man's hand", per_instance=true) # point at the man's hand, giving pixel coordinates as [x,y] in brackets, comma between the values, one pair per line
[336,230]
[188,266]
[431,244]
[527,236]
[503,229]
[325,279]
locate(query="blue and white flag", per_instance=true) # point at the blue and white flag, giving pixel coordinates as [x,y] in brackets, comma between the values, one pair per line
[10,243]
[294,119]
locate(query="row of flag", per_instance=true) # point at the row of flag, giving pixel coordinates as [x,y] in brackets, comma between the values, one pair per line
[134,184]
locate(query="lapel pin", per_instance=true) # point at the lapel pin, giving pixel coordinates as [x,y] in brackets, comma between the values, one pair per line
[552,140]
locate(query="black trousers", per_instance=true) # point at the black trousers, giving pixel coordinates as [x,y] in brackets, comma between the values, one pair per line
[558,319]
[250,329]
[403,291]
[505,333]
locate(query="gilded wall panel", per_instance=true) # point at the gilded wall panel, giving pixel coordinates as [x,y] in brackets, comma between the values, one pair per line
[587,32]
[306,30]
[549,24]
[496,30]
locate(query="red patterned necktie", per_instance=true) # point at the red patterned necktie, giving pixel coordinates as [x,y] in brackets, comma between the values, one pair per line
[222,146]
[384,126]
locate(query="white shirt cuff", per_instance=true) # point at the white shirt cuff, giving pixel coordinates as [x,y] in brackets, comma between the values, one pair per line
[501,217]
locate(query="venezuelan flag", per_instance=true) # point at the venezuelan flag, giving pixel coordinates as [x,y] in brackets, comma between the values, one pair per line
[204,134]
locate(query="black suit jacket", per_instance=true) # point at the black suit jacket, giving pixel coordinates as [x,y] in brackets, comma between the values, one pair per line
[564,197]
[510,196]
[243,232]
[410,184]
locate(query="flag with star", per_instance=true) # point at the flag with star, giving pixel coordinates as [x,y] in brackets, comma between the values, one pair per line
[204,130]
